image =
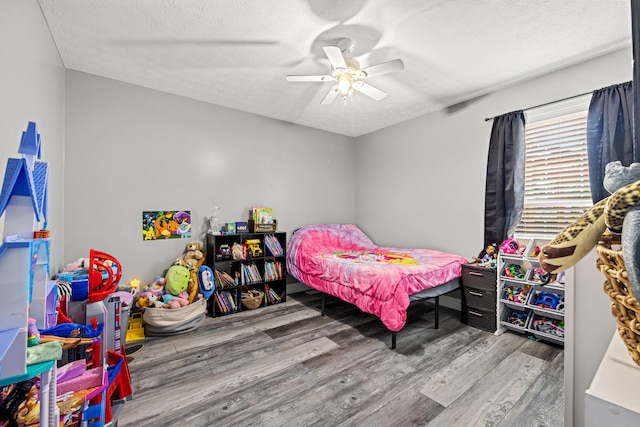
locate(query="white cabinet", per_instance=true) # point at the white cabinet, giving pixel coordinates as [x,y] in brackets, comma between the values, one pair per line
[525,303]
[612,399]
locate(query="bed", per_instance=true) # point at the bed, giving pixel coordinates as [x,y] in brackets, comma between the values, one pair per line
[341,260]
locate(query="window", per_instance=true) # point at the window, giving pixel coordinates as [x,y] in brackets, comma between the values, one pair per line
[556,169]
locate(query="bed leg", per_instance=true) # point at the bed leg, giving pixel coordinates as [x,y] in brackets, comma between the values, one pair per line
[437,310]
[324,297]
[393,340]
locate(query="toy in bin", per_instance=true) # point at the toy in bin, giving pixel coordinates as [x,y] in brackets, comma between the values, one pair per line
[518,319]
[549,326]
[516,294]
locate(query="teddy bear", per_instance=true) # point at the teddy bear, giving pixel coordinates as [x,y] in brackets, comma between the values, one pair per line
[194,250]
[193,253]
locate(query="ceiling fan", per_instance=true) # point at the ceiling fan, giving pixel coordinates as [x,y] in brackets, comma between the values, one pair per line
[348,75]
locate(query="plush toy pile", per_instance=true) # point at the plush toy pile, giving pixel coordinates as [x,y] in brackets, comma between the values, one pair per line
[176,303]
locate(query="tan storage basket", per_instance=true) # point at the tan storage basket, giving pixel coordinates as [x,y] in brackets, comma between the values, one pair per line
[251,299]
[624,305]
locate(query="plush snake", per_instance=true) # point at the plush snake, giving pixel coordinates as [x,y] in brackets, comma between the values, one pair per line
[618,213]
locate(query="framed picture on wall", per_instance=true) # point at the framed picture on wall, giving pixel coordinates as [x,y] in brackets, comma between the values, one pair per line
[158,225]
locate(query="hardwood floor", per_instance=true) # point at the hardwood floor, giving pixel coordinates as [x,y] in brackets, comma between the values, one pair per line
[286,365]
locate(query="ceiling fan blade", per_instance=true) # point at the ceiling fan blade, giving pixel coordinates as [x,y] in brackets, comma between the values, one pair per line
[369,90]
[335,56]
[383,68]
[309,78]
[329,97]
[191,41]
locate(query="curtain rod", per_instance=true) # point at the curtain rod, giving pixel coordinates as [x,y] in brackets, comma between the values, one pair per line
[547,103]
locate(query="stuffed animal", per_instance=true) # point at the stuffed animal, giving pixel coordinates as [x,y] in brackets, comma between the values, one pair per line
[236,251]
[177,279]
[617,176]
[205,281]
[194,250]
[193,254]
[193,281]
[157,287]
[171,301]
[155,301]
[143,300]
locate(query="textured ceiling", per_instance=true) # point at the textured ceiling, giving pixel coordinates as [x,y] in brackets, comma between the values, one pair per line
[236,53]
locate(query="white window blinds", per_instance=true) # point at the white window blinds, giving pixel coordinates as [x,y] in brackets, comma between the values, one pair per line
[556,172]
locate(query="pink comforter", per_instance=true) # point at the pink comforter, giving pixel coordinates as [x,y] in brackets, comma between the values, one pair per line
[339,259]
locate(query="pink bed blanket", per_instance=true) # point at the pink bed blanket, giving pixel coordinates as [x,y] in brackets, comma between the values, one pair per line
[339,259]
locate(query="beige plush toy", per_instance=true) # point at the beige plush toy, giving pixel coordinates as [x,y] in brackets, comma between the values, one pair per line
[194,250]
[193,254]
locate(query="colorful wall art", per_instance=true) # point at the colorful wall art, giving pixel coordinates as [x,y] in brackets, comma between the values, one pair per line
[157,225]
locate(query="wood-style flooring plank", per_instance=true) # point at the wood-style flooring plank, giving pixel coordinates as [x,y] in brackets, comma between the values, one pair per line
[542,404]
[488,402]
[286,365]
[453,380]
[207,386]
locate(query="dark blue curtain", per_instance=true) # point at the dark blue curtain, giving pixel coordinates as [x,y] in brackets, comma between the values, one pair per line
[504,195]
[609,133]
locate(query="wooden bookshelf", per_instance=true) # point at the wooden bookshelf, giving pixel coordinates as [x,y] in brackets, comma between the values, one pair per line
[262,267]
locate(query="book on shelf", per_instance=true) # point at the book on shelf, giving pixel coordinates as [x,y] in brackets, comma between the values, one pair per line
[273,245]
[272,270]
[262,215]
[226,302]
[232,301]
[219,303]
[250,273]
[223,279]
[271,295]
[227,306]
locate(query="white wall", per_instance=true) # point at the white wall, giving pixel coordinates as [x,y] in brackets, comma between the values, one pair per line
[32,89]
[421,183]
[131,149]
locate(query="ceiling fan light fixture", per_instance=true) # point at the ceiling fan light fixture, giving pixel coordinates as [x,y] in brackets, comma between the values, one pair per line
[347,74]
[345,86]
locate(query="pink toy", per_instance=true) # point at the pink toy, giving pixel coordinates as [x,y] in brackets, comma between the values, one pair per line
[177,302]
[512,247]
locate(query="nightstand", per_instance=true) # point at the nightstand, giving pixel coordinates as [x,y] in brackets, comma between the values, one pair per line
[479,297]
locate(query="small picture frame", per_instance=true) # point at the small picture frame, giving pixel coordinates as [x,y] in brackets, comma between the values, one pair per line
[242,227]
[230,227]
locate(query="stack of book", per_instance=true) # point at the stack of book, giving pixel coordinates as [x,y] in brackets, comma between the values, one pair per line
[272,270]
[271,295]
[225,301]
[250,274]
[224,280]
[273,244]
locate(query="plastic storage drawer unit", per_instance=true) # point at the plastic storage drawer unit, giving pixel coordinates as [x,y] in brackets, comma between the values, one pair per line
[479,297]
